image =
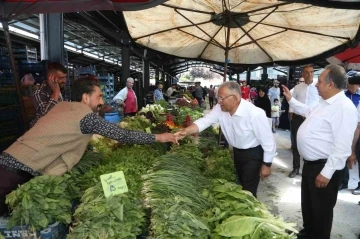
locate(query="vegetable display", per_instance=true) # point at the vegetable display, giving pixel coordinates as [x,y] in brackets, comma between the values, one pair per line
[183,192]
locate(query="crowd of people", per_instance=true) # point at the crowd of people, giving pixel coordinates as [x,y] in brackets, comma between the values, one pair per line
[324,123]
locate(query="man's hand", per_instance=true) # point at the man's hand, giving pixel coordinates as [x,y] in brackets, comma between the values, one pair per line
[286,93]
[265,172]
[53,83]
[321,181]
[351,160]
[180,135]
[166,137]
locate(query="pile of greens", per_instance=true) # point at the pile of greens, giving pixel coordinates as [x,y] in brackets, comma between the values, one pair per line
[219,164]
[133,160]
[41,201]
[174,218]
[163,103]
[186,111]
[117,217]
[157,111]
[236,213]
[173,191]
[137,122]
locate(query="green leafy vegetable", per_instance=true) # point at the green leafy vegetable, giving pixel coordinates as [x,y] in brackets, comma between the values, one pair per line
[40,202]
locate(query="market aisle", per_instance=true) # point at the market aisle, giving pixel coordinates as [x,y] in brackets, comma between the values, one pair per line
[282,194]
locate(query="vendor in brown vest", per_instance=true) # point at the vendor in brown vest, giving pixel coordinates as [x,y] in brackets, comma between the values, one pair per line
[59,139]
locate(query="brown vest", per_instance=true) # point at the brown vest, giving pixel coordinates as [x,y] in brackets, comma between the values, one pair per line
[55,144]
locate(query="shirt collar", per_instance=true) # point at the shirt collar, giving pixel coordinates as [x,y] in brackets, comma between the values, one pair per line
[241,110]
[334,98]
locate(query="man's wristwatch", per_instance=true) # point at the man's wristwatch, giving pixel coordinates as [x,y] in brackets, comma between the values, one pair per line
[267,164]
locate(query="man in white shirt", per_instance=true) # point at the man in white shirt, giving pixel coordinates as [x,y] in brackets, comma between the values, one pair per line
[324,141]
[127,98]
[300,81]
[305,93]
[246,128]
[171,90]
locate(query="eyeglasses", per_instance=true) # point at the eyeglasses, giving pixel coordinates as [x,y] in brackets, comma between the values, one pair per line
[301,81]
[223,98]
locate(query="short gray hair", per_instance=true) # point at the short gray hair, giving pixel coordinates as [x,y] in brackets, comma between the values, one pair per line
[231,85]
[337,75]
[130,79]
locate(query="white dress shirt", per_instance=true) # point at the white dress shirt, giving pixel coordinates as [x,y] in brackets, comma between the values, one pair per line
[327,132]
[247,128]
[358,109]
[170,91]
[306,94]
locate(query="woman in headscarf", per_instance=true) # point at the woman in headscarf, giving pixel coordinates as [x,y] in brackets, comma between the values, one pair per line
[264,103]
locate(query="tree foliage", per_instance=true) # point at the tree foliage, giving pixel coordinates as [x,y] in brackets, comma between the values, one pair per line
[201,72]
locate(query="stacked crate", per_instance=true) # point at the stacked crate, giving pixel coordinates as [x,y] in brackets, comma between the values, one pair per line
[107,87]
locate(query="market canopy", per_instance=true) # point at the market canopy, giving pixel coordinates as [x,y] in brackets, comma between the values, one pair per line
[14,8]
[248,31]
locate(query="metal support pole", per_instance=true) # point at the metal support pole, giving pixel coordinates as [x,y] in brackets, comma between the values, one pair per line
[125,61]
[162,75]
[157,73]
[264,75]
[53,26]
[14,72]
[43,45]
[248,76]
[146,75]
[237,77]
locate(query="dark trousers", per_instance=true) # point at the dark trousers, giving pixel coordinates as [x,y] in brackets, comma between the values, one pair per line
[211,102]
[248,163]
[9,181]
[359,170]
[317,203]
[344,177]
[345,174]
[295,124]
[200,100]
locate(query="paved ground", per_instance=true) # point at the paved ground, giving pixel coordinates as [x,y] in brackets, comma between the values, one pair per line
[282,195]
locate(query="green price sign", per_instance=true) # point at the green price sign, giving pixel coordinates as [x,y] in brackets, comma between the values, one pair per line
[114,183]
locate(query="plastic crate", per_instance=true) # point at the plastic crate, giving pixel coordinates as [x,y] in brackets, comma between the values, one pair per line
[8,96]
[54,231]
[4,64]
[4,58]
[39,70]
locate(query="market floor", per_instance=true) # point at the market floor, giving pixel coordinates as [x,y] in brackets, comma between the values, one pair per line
[282,194]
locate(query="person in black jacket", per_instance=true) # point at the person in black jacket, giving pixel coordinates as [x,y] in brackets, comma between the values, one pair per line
[263,102]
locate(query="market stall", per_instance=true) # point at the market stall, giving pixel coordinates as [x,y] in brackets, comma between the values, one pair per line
[184,191]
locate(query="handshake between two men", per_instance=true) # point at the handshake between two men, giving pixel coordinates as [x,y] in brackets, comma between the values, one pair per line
[173,138]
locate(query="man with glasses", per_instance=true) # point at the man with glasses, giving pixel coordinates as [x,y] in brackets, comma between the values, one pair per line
[324,141]
[305,93]
[49,93]
[246,128]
